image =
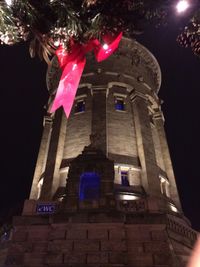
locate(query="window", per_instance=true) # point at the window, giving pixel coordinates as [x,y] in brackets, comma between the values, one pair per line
[124,178]
[89,186]
[119,104]
[80,106]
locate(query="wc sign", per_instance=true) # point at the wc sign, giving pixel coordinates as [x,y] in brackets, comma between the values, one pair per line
[45,208]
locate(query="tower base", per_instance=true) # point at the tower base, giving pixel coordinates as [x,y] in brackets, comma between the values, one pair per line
[100,239]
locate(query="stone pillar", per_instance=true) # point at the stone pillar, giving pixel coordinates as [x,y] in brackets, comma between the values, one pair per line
[42,156]
[159,122]
[146,151]
[99,124]
[54,158]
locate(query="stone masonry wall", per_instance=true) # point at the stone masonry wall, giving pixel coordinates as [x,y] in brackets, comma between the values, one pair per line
[96,244]
[121,132]
[78,130]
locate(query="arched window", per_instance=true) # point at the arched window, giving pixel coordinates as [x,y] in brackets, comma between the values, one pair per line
[89,186]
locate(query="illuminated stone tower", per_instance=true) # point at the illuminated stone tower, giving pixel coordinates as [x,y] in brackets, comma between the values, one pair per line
[104,192]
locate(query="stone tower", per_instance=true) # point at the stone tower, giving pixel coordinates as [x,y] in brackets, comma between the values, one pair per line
[104,192]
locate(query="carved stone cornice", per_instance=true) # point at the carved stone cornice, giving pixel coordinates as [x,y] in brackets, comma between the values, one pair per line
[136,94]
[180,229]
[131,58]
[48,119]
[141,56]
[158,115]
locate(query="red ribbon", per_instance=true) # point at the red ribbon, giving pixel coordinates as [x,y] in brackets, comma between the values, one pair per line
[73,64]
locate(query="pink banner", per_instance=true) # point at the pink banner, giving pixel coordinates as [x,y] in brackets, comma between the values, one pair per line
[73,64]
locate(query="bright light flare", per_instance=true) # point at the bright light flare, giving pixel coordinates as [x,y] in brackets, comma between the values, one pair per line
[56,43]
[105,46]
[182,6]
[9,2]
[173,208]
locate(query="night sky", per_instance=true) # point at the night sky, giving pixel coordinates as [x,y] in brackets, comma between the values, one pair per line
[23,95]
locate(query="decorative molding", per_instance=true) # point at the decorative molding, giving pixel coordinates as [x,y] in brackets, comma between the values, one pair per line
[158,115]
[136,53]
[82,85]
[120,84]
[141,56]
[134,94]
[130,206]
[181,230]
[80,96]
[47,120]
[120,95]
[125,160]
[88,74]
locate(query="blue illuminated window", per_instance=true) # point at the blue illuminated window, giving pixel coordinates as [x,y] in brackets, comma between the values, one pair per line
[124,178]
[89,186]
[80,106]
[119,104]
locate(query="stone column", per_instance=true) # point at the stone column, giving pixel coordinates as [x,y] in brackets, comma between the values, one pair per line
[146,151]
[42,156]
[54,158]
[159,122]
[99,125]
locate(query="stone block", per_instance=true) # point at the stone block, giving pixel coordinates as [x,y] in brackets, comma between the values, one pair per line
[158,235]
[138,234]
[33,259]
[19,236]
[20,247]
[97,233]
[3,255]
[53,258]
[57,234]
[180,249]
[39,228]
[162,258]
[117,258]
[60,245]
[29,207]
[156,247]
[76,233]
[21,221]
[86,245]
[97,257]
[40,246]
[135,247]
[14,259]
[75,258]
[117,233]
[39,233]
[113,245]
[142,259]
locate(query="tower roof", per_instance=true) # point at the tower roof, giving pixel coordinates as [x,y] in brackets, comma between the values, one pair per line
[132,60]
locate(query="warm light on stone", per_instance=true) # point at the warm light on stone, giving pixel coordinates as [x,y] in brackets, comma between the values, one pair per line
[104,191]
[173,208]
[128,197]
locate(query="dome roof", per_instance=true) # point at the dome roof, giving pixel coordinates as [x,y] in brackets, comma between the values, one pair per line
[130,59]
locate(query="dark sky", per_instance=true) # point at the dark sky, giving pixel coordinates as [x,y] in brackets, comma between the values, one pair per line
[23,94]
